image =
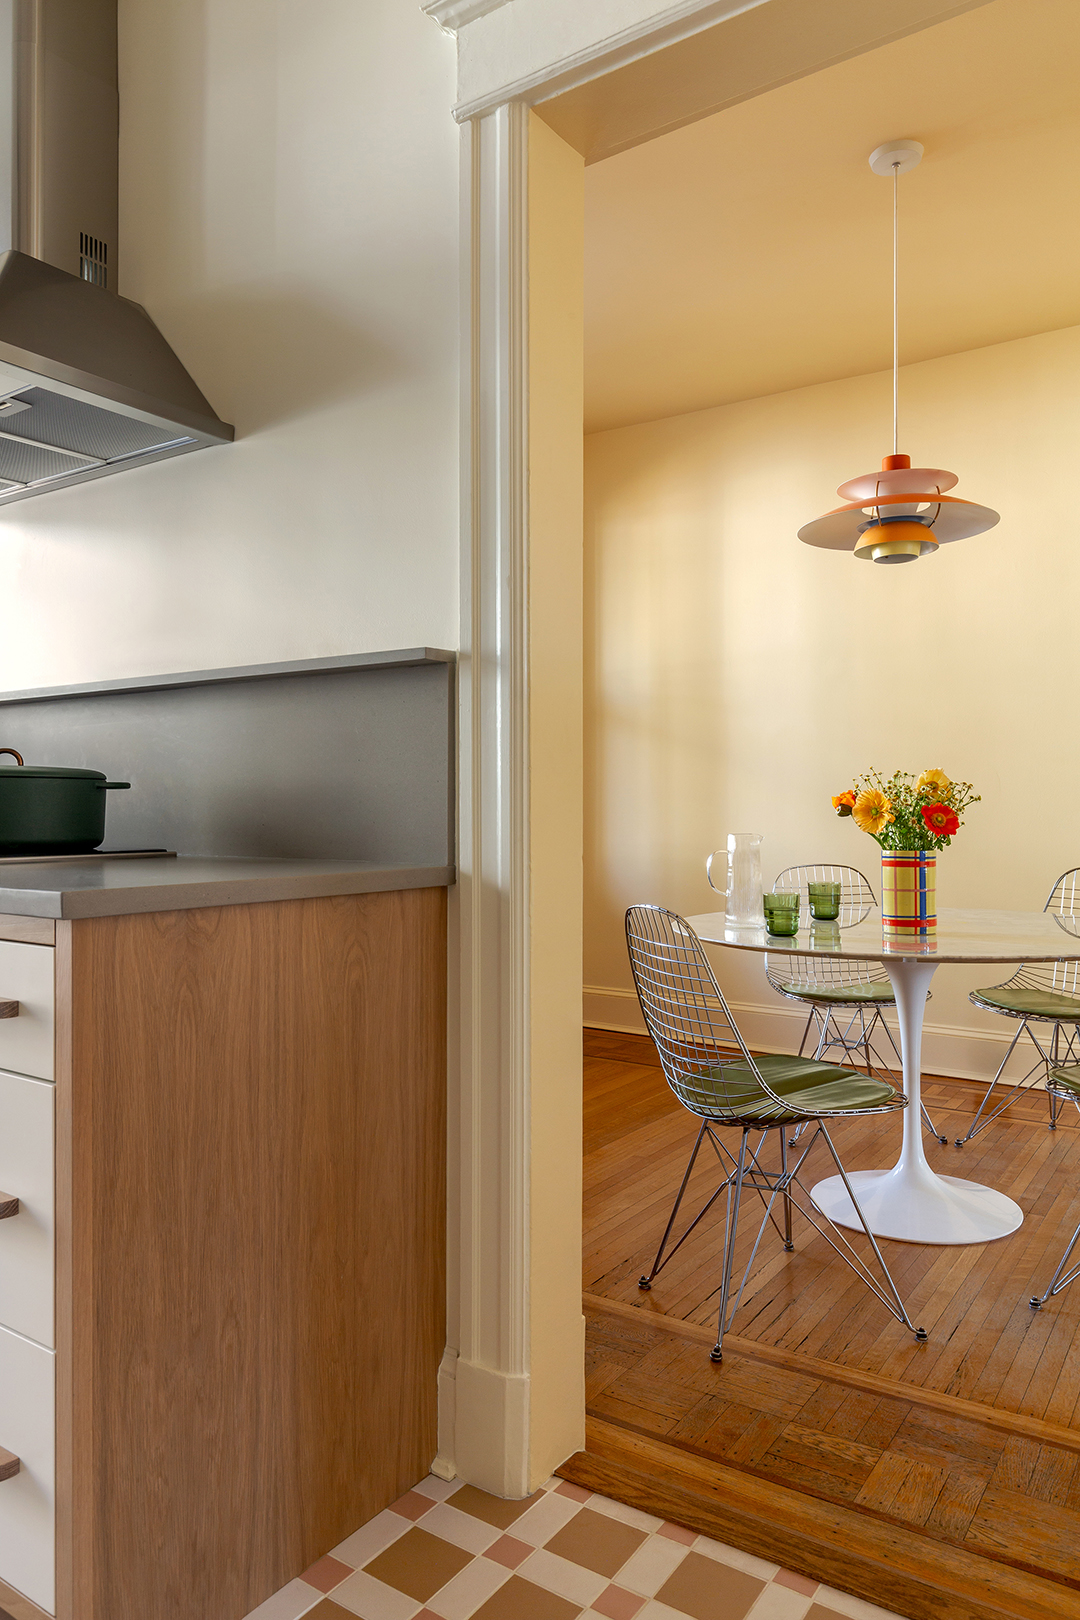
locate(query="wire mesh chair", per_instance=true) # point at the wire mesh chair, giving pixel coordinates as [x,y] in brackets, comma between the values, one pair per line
[709,1068]
[1063,1084]
[1039,993]
[846,998]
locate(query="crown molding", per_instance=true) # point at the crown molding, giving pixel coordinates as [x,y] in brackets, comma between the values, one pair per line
[454,14]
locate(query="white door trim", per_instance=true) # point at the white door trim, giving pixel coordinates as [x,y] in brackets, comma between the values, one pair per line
[454,14]
[592,61]
[485,1431]
[485,1408]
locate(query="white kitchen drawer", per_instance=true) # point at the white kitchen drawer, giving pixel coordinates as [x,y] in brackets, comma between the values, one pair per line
[27,1501]
[26,1239]
[26,976]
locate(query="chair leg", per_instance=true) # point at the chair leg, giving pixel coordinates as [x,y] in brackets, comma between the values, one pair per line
[749,1173]
[788,1244]
[1056,1060]
[1057,1281]
[1055,1042]
[825,1040]
[974,1128]
[928,1125]
[802,1048]
[646,1281]
[890,1299]
[731,1226]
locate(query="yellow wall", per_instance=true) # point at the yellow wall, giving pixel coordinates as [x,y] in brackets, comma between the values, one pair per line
[736,678]
[557,1327]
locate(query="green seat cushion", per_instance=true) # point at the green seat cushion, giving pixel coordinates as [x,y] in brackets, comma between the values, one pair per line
[1067,1079]
[804,1085]
[836,994]
[1035,1003]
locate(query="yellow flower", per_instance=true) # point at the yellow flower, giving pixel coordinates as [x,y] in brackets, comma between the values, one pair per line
[872,812]
[933,783]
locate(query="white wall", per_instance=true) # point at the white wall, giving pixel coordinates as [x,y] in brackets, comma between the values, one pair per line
[735,678]
[289,217]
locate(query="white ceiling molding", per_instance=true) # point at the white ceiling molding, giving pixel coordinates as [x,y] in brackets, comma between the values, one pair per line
[454,14]
[541,48]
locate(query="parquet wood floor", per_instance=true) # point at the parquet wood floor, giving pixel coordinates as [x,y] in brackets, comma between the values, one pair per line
[985,1343]
[963,1452]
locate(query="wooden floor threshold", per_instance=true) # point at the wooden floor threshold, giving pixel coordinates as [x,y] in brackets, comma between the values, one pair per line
[1011,1423]
[777,1482]
[879,1561]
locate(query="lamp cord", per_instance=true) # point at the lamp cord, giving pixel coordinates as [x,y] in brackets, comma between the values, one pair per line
[895,321]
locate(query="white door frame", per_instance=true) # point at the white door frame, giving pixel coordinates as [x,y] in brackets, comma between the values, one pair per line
[485,1431]
[484,1382]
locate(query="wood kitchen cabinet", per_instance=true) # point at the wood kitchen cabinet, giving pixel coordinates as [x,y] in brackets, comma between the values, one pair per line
[221,1301]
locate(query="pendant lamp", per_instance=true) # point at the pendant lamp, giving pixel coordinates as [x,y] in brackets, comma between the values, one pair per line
[902,512]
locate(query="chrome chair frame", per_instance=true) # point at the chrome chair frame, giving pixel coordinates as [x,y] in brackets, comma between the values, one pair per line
[826,1021]
[694,1034]
[1061,1094]
[1057,978]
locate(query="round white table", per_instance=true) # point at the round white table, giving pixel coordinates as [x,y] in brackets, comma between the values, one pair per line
[911,1201]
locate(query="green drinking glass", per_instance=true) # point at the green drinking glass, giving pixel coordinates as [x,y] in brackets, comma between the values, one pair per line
[781,913]
[824,901]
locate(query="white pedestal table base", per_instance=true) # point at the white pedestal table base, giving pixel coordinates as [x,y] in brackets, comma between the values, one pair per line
[931,1209]
[911,1202]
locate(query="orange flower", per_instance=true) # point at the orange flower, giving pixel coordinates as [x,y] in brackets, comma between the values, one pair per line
[844,803]
[935,784]
[941,821]
[872,812]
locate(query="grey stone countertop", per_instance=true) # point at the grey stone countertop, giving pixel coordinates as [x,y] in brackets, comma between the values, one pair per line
[90,886]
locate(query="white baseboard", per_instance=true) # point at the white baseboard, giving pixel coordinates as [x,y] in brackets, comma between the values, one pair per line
[969,1054]
[491,1429]
[444,1466]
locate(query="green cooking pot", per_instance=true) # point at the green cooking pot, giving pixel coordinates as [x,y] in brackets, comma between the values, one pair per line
[49,810]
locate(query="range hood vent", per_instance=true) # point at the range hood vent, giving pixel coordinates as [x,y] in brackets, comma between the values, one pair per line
[88,385]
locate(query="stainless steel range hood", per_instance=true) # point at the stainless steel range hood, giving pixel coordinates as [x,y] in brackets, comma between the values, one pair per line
[88,385]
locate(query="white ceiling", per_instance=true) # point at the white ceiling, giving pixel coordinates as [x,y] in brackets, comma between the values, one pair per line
[750,253]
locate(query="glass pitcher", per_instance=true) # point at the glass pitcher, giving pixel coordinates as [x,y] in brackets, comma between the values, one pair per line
[742,888]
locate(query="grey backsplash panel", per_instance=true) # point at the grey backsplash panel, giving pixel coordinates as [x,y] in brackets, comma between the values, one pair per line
[351,760]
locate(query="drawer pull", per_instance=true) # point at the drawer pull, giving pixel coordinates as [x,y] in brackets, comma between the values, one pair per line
[9,1009]
[9,1464]
[8,1206]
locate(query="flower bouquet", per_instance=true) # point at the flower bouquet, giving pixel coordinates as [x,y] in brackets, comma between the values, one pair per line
[911,818]
[906,812]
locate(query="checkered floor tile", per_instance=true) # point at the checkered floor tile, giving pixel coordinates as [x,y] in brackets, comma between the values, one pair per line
[451,1552]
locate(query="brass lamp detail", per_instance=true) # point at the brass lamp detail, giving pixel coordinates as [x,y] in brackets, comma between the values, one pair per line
[900,542]
[902,512]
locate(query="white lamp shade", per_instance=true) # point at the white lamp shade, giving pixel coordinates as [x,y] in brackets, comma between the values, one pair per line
[947,518]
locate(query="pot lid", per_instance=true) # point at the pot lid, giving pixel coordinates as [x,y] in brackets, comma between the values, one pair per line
[23,771]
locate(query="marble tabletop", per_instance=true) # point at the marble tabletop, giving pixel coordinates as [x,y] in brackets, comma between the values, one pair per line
[962,936]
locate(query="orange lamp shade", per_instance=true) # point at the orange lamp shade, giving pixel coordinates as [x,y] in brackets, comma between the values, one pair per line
[898,540]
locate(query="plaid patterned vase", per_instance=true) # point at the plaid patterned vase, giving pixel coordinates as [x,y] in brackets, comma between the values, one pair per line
[909,893]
